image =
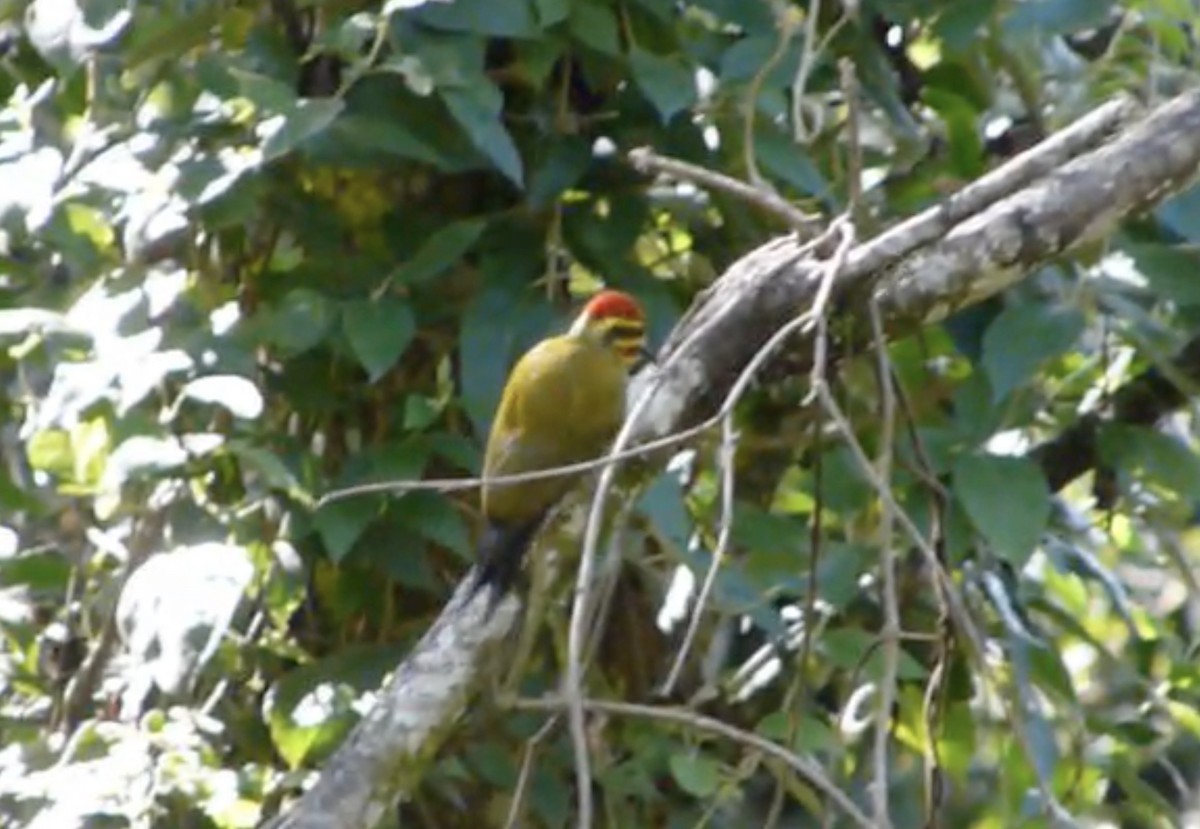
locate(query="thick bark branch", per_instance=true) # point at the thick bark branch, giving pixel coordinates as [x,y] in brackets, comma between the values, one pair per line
[1068,190]
[385,755]
[919,281]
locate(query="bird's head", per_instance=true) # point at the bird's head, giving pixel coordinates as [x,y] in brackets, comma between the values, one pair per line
[616,319]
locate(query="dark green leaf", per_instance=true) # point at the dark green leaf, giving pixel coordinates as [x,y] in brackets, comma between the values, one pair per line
[665,81]
[476,107]
[1182,214]
[300,321]
[494,18]
[595,26]
[551,12]
[1173,272]
[786,160]
[1057,17]
[440,251]
[1145,454]
[1021,338]
[434,517]
[662,502]
[697,774]
[564,164]
[1007,500]
[340,523]
[960,24]
[378,332]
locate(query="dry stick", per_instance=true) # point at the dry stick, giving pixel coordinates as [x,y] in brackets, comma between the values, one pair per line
[807,768]
[787,19]
[456,484]
[646,160]
[890,634]
[514,806]
[954,604]
[808,56]
[727,454]
[800,324]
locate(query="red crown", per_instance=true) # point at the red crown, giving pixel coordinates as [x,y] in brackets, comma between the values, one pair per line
[613,304]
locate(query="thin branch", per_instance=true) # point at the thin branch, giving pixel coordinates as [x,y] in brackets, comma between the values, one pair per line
[807,768]
[647,160]
[814,317]
[890,634]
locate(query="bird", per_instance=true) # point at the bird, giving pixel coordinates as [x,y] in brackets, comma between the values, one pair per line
[562,404]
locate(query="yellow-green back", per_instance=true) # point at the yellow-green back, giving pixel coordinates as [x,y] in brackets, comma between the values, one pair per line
[564,402]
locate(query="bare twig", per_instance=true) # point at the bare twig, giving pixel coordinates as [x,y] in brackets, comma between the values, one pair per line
[890,634]
[814,317]
[787,19]
[518,796]
[807,768]
[726,457]
[647,160]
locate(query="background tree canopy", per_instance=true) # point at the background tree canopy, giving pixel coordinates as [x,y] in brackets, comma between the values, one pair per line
[254,252]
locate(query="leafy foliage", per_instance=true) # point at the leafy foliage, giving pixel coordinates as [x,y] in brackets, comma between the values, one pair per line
[251,253]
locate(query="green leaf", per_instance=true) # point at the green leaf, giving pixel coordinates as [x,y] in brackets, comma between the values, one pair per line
[1007,499]
[551,12]
[847,647]
[662,502]
[595,26]
[275,473]
[434,517]
[1021,338]
[564,164]
[1182,214]
[50,451]
[477,108]
[494,18]
[1173,272]
[310,709]
[340,523]
[378,332]
[440,251]
[1145,454]
[962,130]
[300,321]
[697,774]
[959,24]
[495,326]
[666,82]
[287,131]
[785,160]
[1057,17]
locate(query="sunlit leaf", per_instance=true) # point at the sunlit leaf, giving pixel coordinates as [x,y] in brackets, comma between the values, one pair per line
[237,394]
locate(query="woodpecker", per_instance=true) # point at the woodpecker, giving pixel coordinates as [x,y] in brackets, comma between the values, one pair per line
[563,403]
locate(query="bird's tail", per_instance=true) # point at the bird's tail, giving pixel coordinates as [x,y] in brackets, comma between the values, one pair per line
[499,553]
